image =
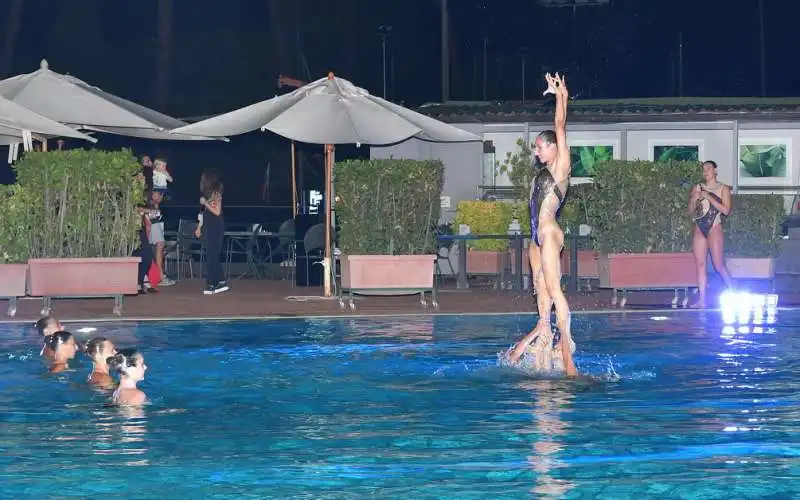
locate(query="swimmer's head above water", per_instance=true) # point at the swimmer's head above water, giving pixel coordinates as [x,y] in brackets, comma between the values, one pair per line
[47,326]
[63,346]
[129,363]
[99,349]
[545,147]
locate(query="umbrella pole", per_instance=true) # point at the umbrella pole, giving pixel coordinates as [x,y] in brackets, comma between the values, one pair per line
[294,183]
[328,265]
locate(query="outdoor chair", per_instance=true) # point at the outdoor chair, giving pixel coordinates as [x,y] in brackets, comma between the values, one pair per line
[180,256]
[313,245]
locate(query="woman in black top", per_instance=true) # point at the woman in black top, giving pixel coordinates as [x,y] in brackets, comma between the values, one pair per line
[213,229]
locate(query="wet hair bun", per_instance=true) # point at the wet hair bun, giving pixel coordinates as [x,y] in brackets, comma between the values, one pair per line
[123,359]
[43,323]
[58,338]
[93,346]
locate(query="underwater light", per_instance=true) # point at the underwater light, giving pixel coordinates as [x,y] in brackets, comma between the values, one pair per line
[741,306]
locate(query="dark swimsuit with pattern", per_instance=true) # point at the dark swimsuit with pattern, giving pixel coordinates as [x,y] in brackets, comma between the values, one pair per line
[705,220]
[543,185]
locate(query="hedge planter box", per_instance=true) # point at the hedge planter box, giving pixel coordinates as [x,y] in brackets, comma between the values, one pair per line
[647,271]
[484,262]
[388,275]
[13,280]
[95,277]
[751,268]
[587,264]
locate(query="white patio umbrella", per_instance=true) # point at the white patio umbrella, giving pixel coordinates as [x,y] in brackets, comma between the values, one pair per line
[19,125]
[331,111]
[73,102]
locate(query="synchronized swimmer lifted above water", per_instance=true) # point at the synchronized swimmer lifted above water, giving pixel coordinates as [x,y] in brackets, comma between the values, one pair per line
[549,186]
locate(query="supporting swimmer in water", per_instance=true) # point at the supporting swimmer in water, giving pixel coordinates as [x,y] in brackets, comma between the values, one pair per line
[548,189]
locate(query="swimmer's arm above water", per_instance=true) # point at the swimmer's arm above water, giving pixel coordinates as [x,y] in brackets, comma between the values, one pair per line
[557,85]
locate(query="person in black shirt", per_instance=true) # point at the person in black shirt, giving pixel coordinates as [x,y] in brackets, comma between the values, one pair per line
[213,230]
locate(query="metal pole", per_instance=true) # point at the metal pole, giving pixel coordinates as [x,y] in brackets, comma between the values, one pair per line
[523,77]
[762,47]
[294,182]
[383,49]
[680,63]
[735,141]
[485,69]
[445,52]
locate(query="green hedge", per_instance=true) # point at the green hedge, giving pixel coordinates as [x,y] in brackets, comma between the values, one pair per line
[641,206]
[76,203]
[753,228]
[388,207]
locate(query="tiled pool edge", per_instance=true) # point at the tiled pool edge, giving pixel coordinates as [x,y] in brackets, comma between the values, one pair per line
[146,319]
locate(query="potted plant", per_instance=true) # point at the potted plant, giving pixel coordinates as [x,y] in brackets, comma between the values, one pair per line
[485,256]
[83,225]
[13,254]
[752,235]
[642,231]
[387,212]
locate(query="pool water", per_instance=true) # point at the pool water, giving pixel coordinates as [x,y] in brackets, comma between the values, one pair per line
[677,406]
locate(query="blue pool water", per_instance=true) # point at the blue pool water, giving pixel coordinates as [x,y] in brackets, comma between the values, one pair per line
[413,407]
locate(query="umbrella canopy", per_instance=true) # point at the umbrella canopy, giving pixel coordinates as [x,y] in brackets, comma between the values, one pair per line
[73,102]
[331,111]
[16,119]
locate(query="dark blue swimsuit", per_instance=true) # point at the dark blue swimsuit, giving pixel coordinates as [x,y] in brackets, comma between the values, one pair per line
[705,221]
[543,184]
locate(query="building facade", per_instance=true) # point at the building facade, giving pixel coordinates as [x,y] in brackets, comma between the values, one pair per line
[754,141]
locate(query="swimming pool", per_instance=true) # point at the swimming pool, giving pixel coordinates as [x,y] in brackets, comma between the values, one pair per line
[682,407]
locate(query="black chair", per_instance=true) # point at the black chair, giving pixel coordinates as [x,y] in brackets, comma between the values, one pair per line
[308,271]
[186,247]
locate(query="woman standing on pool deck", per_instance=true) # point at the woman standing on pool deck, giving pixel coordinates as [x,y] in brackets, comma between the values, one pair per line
[548,189]
[213,230]
[708,203]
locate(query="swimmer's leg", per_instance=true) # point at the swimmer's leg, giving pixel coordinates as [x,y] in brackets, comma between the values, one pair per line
[552,243]
[544,304]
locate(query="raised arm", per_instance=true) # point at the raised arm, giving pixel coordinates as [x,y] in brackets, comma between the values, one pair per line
[557,85]
[562,97]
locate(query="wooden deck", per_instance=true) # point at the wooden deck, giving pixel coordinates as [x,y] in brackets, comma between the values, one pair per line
[251,298]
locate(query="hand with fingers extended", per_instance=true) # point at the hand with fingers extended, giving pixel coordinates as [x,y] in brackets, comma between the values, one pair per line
[556,85]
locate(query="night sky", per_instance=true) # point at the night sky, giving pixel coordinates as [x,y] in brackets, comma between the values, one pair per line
[229,53]
[222,55]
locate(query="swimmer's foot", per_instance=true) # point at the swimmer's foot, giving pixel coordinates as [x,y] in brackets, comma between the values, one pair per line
[519,348]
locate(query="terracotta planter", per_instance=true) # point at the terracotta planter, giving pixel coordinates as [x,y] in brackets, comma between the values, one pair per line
[388,274]
[647,270]
[484,262]
[99,277]
[587,264]
[751,268]
[13,280]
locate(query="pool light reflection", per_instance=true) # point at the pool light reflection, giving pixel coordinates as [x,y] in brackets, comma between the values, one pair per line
[745,308]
